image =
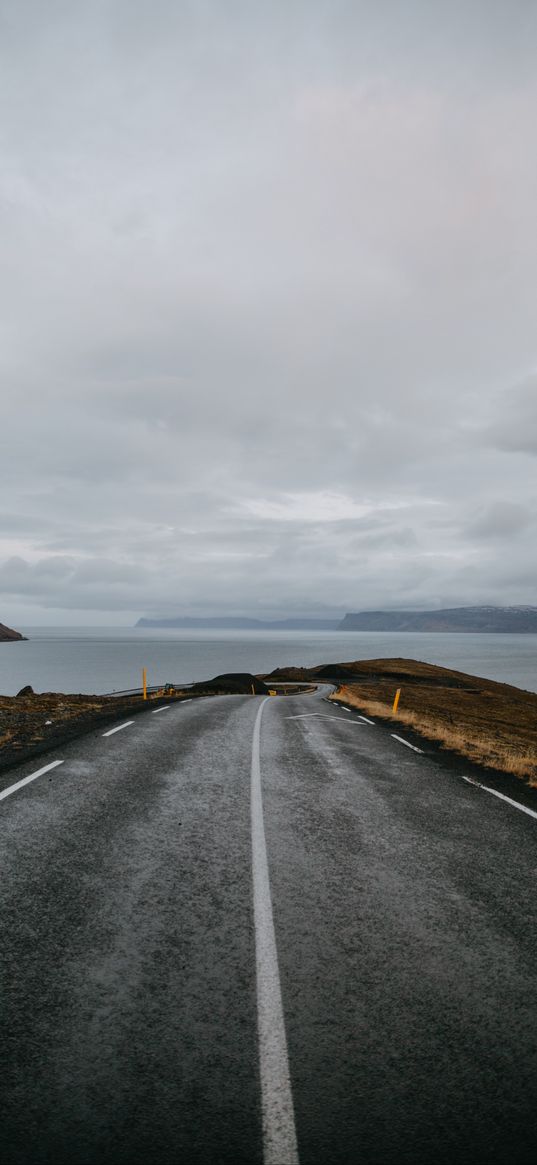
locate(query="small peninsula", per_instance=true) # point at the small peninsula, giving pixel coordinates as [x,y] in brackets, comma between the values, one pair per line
[9,636]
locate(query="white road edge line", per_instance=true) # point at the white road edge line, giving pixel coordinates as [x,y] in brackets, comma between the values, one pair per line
[401,741]
[26,780]
[119,728]
[155,710]
[279,1132]
[366,720]
[495,793]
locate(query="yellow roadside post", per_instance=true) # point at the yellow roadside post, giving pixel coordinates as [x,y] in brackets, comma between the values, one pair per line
[396,701]
[253,690]
[144,681]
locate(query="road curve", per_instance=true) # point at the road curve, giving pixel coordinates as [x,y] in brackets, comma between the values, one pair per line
[305,943]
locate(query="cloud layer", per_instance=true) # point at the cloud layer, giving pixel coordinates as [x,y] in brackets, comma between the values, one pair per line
[268,307]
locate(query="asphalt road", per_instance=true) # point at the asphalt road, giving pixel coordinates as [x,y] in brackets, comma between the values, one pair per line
[340,971]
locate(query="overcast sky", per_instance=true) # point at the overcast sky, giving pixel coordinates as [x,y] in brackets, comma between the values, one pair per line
[268,306]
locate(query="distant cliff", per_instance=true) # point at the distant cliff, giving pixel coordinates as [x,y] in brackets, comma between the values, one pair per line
[9,636]
[470,619]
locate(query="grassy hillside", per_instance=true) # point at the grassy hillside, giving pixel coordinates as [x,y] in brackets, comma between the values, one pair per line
[491,724]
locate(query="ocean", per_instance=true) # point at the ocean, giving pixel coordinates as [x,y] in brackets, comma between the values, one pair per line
[94,660]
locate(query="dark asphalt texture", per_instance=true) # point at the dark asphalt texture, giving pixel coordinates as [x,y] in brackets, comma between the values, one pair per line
[404,909]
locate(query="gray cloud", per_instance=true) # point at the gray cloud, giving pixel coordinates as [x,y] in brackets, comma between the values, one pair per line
[500,520]
[268,274]
[514,429]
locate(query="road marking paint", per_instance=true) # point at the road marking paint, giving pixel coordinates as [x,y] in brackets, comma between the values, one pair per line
[351,723]
[26,780]
[320,715]
[344,709]
[279,1133]
[119,728]
[366,720]
[305,716]
[189,701]
[401,741]
[155,710]
[323,716]
[495,793]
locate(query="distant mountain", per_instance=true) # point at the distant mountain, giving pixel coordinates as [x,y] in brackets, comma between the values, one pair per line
[470,619]
[9,636]
[235,623]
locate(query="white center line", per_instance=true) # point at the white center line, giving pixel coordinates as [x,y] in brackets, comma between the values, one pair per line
[366,720]
[26,780]
[161,709]
[495,793]
[279,1133]
[189,701]
[401,741]
[119,728]
[344,709]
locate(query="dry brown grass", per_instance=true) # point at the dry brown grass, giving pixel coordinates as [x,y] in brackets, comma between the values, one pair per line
[484,743]
[31,722]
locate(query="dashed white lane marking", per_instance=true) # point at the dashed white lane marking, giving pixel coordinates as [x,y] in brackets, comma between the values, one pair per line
[364,718]
[495,793]
[279,1133]
[119,728]
[26,780]
[344,709]
[161,709]
[189,701]
[401,741]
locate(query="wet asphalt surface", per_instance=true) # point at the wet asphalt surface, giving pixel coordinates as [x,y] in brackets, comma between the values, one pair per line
[404,910]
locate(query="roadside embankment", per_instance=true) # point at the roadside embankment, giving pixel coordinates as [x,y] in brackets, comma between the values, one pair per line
[491,724]
[33,722]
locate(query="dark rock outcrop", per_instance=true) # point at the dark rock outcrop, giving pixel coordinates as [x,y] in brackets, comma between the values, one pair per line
[234,683]
[9,636]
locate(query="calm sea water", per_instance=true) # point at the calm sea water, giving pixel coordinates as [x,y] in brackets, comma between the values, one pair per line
[86,659]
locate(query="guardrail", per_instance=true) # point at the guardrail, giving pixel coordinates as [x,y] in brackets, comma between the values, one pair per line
[151,689]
